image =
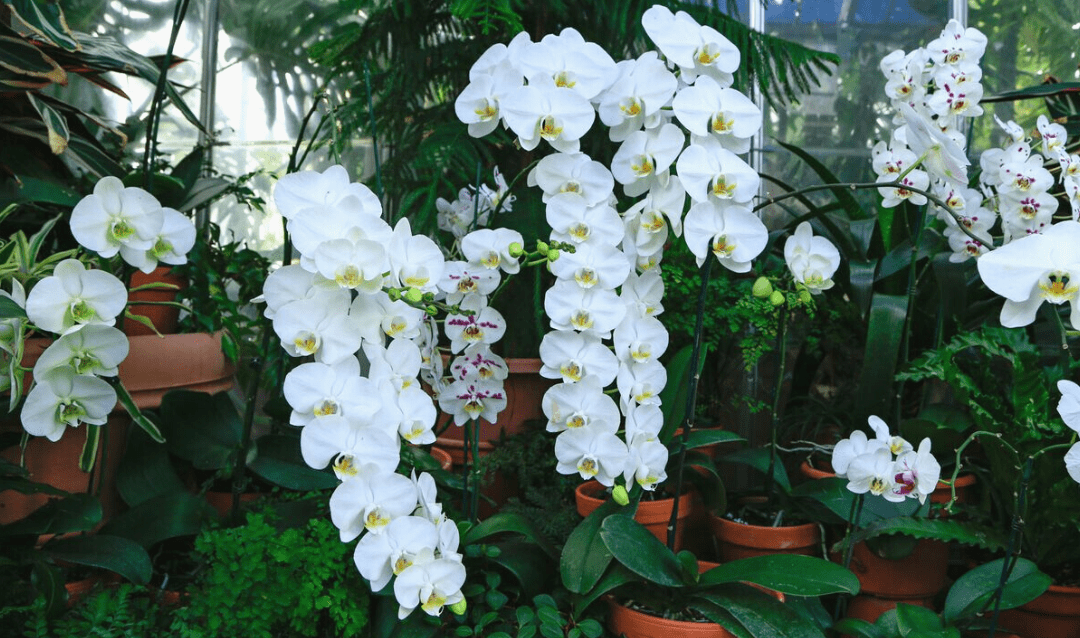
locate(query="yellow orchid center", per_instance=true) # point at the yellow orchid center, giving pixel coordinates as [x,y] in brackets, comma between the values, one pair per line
[571,371]
[706,55]
[722,124]
[721,188]
[487,111]
[349,277]
[550,129]
[587,467]
[326,407]
[642,166]
[586,277]
[631,107]
[565,80]
[306,342]
[434,603]
[344,466]
[721,247]
[581,320]
[1057,288]
[580,231]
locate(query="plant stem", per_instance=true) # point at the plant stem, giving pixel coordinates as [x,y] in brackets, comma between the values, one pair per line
[374,134]
[153,118]
[781,348]
[905,336]
[249,421]
[691,399]
[1013,552]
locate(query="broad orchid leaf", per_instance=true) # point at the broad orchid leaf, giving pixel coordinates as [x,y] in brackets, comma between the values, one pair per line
[585,557]
[145,470]
[758,458]
[76,513]
[11,310]
[920,622]
[641,552]
[168,515]
[116,554]
[1039,90]
[858,628]
[760,614]
[972,593]
[714,612]
[528,563]
[674,395]
[509,522]
[843,195]
[278,460]
[787,573]
[48,581]
[136,414]
[202,428]
[616,576]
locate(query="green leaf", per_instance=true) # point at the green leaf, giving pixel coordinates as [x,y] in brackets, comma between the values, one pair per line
[585,557]
[942,529]
[616,576]
[90,448]
[858,628]
[591,628]
[55,124]
[674,395]
[136,414]
[76,513]
[34,189]
[145,470]
[920,622]
[204,191]
[641,552]
[120,555]
[710,436]
[509,522]
[1036,91]
[49,583]
[278,460]
[762,615]
[202,428]
[758,458]
[46,20]
[787,573]
[883,337]
[843,195]
[165,516]
[971,593]
[528,563]
[11,310]
[21,57]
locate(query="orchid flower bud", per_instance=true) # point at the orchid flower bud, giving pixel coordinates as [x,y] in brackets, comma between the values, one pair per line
[762,288]
[619,495]
[776,298]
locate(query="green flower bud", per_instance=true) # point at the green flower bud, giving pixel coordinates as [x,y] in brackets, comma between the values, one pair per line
[542,247]
[394,294]
[516,249]
[459,607]
[619,495]
[762,288]
[776,298]
[805,296]
[433,311]
[414,295]
[553,254]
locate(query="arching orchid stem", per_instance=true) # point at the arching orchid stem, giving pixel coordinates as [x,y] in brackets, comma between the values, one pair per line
[240,463]
[510,187]
[853,517]
[474,494]
[905,351]
[153,117]
[781,368]
[691,399]
[867,185]
[956,466]
[1012,553]
[1063,337]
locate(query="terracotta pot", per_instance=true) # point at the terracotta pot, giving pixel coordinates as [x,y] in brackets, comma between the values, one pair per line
[164,318]
[883,583]
[654,515]
[869,608]
[80,589]
[57,464]
[525,390]
[739,540]
[222,501]
[155,365]
[1056,613]
[443,457]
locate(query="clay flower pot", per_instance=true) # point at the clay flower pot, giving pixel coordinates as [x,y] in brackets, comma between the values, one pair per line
[155,365]
[1055,613]
[739,540]
[883,583]
[443,457]
[165,318]
[654,515]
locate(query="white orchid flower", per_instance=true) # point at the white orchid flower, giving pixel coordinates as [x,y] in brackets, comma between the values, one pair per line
[427,497]
[643,423]
[645,463]
[640,383]
[316,390]
[915,474]
[1072,462]
[1033,269]
[640,339]
[1068,407]
[370,501]
[11,329]
[873,473]
[697,49]
[897,445]
[491,249]
[1026,214]
[593,454]
[1024,177]
[485,326]
[953,100]
[170,245]
[542,110]
[594,310]
[942,155]
[710,172]
[891,160]
[573,356]
[349,219]
[472,399]
[479,362]
[812,259]
[847,450]
[643,294]
[706,108]
[415,260]
[73,297]
[377,317]
[95,350]
[570,406]
[572,220]
[478,103]
[350,444]
[396,366]
[892,196]
[570,61]
[114,217]
[416,416]
[319,326]
[292,283]
[378,557]
[957,45]
[461,280]
[296,192]
[573,173]
[643,159]
[430,586]
[355,265]
[645,85]
[732,233]
[593,264]
[62,398]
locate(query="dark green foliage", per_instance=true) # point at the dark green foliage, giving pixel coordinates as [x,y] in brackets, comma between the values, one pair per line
[126,611]
[263,582]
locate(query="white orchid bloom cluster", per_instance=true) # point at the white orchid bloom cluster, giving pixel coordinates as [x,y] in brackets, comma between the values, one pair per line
[473,208]
[672,109]
[886,465]
[131,222]
[932,89]
[1068,408]
[361,293]
[81,305]
[812,259]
